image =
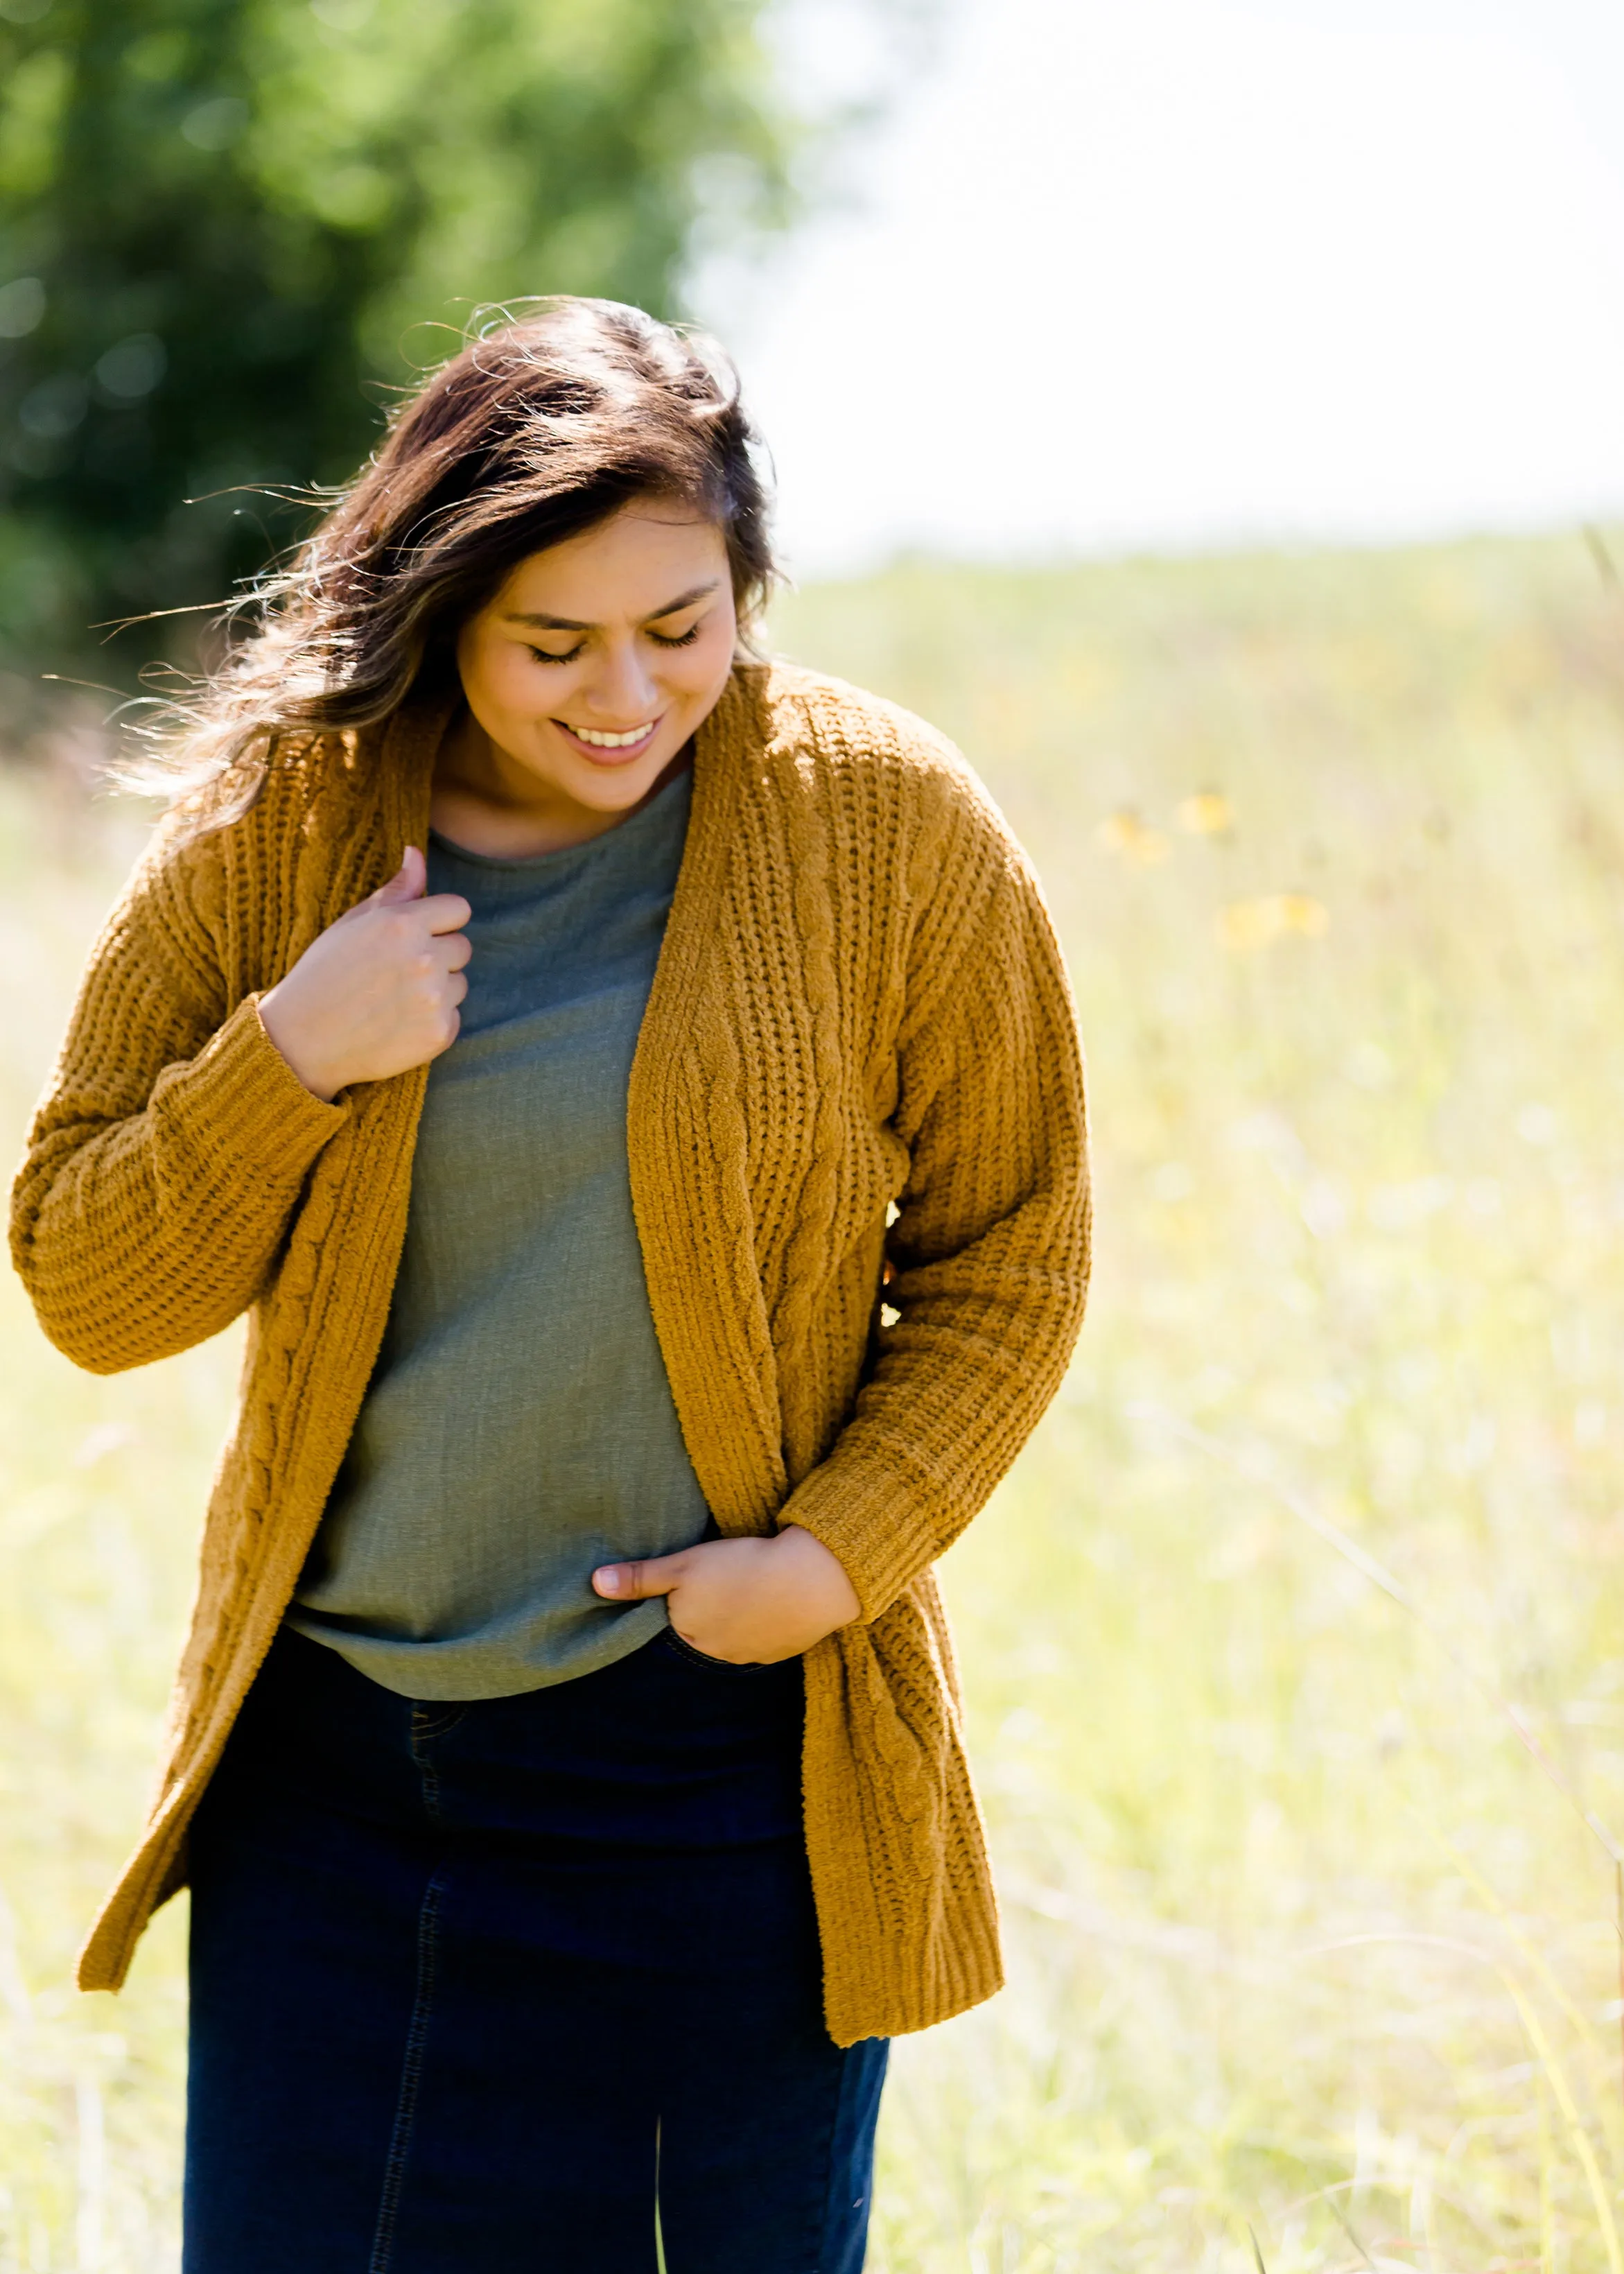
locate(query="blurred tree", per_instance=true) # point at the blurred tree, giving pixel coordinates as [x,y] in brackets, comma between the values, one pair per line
[230,229]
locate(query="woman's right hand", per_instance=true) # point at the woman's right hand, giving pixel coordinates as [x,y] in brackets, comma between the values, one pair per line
[378,990]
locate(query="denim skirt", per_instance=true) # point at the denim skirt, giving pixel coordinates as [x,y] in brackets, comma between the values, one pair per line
[531,1983]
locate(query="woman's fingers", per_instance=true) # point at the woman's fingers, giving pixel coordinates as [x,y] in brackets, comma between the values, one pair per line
[408,880]
[630,1582]
[750,1602]
[446,911]
[377,991]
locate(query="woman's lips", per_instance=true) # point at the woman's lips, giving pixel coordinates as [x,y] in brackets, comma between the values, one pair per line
[619,754]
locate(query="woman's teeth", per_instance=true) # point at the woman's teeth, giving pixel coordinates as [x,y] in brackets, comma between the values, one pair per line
[611,742]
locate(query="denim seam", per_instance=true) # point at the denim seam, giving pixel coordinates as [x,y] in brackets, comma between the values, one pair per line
[424,1730]
[411,2074]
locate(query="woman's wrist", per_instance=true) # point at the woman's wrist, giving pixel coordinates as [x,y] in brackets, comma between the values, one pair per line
[820,1576]
[316,1078]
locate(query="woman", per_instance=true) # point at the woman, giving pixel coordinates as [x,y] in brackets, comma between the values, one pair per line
[554,1026]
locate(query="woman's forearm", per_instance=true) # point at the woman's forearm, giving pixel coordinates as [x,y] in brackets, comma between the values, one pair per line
[138,1235]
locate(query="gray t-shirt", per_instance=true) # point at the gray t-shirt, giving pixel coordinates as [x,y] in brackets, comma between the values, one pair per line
[519,1428]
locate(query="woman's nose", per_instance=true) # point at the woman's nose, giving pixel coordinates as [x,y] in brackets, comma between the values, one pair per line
[624,693]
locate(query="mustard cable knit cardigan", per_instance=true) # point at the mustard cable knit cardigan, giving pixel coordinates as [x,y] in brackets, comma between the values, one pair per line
[859,1002]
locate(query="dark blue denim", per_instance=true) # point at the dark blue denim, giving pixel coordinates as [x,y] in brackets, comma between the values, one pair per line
[474,1986]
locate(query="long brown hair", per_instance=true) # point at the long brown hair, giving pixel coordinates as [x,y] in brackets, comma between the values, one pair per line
[535,431]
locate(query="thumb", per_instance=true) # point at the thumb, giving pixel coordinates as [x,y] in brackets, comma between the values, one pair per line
[631,1583]
[409,881]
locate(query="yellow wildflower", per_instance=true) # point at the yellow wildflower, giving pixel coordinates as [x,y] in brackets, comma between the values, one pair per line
[1207,814]
[1127,836]
[1246,925]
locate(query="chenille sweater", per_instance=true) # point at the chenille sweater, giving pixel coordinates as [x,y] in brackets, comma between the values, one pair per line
[858,1163]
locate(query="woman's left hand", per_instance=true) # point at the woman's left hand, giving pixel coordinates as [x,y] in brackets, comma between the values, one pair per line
[749,1602]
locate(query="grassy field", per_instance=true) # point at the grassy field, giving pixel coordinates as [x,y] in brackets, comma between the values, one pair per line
[1294,1646]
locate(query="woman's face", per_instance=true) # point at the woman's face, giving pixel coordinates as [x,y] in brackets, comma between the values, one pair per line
[598,658]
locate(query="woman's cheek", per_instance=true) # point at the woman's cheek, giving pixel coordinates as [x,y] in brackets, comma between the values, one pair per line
[710,660]
[531,690]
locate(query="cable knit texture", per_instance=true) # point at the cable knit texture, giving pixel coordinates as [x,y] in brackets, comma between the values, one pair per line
[859,1013]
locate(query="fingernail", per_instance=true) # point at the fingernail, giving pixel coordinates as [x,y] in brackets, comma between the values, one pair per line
[607,1581]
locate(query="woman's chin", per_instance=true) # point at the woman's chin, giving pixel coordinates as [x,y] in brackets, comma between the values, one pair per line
[608,788]
[616,793]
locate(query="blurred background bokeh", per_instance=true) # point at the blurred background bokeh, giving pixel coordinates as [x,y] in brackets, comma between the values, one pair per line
[1210,414]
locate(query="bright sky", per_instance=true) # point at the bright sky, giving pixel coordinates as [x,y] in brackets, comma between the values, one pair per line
[1150,274]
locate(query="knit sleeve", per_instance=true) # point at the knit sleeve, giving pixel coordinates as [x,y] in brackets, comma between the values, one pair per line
[989,1252]
[172,1141]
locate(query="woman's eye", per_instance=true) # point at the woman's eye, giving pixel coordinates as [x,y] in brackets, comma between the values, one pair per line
[682,639]
[542,656]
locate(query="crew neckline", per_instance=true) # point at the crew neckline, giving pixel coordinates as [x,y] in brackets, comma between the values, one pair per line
[561,853]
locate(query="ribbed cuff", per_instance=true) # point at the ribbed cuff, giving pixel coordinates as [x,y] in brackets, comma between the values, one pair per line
[870,1518]
[254,1107]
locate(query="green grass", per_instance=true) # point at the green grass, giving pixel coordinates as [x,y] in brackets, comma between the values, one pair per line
[1309,1940]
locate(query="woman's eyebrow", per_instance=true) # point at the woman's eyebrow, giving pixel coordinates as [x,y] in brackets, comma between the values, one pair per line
[573,624]
[683,600]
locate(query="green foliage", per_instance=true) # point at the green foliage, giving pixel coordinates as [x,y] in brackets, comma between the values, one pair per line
[230,229]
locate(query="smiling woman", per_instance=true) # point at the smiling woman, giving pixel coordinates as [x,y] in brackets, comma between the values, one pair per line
[556,1025]
[585,678]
